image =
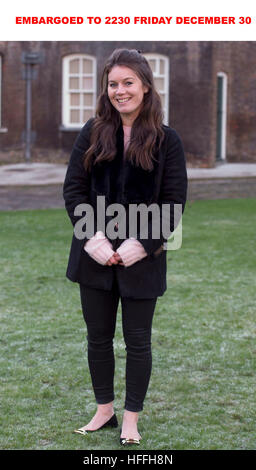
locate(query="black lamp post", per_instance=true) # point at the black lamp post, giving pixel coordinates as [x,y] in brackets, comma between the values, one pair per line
[29,59]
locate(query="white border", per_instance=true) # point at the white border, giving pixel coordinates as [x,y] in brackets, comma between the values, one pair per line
[10,31]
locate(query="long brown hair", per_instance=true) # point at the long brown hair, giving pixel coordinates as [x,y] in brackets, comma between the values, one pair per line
[146,133]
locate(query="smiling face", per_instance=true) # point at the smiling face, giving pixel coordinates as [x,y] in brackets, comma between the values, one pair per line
[126,92]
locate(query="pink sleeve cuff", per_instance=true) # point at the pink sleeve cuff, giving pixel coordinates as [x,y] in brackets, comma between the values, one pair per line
[99,248]
[131,251]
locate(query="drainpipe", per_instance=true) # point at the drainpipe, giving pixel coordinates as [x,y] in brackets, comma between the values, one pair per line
[29,59]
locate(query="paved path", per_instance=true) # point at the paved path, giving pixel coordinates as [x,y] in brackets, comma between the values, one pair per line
[27,174]
[225,170]
[39,185]
[31,174]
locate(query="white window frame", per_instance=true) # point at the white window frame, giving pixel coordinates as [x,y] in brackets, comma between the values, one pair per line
[224,114]
[165,76]
[66,91]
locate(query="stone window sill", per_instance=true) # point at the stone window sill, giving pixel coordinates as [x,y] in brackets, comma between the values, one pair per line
[69,129]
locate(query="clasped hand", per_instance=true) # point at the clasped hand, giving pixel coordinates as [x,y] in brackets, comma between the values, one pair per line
[115,259]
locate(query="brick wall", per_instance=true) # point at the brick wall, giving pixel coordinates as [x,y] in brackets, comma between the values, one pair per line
[237,59]
[192,98]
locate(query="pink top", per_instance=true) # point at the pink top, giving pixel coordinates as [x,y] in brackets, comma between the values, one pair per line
[127,135]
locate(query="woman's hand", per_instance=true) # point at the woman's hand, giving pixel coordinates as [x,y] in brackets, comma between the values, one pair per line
[115,259]
[131,251]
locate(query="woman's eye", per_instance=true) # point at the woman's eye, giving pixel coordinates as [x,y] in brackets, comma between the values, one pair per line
[113,85]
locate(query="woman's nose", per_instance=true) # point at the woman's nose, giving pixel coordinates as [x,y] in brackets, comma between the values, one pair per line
[120,89]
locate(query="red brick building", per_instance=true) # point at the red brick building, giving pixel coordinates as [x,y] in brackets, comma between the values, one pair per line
[207,90]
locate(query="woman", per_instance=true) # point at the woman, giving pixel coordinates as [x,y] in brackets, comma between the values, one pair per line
[124,155]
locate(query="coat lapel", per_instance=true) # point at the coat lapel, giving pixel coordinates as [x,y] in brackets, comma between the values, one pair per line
[135,185]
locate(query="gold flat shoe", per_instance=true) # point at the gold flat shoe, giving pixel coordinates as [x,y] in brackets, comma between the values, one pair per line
[80,431]
[112,422]
[126,441]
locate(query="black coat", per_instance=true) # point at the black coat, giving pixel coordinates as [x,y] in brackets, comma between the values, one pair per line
[167,183]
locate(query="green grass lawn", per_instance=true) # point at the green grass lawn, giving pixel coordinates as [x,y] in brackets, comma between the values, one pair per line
[202,388]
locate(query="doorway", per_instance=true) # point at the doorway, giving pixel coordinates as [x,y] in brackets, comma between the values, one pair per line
[222,81]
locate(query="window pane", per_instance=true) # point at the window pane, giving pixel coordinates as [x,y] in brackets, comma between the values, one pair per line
[74,66]
[162,67]
[87,99]
[159,83]
[74,83]
[152,64]
[162,99]
[79,90]
[74,99]
[87,66]
[87,114]
[74,115]
[87,83]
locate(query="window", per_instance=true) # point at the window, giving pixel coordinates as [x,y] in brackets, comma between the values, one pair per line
[222,81]
[79,89]
[160,68]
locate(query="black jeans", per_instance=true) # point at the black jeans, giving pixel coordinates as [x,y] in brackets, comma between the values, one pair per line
[99,311]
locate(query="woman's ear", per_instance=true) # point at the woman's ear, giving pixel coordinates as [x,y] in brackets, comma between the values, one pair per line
[145,89]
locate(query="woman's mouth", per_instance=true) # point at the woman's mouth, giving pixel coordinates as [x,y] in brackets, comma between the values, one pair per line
[123,100]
